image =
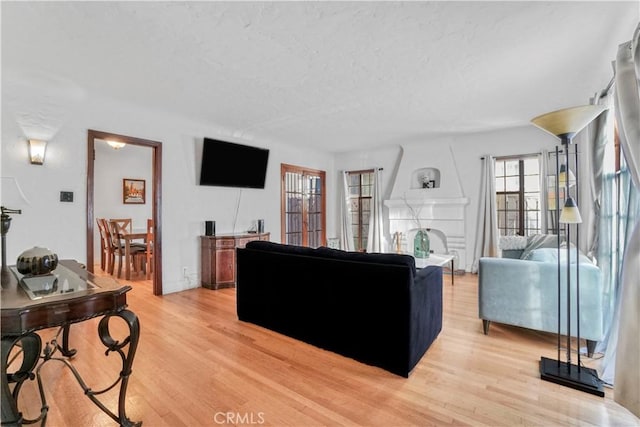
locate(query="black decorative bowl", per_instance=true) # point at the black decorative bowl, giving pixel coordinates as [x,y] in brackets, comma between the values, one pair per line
[37,261]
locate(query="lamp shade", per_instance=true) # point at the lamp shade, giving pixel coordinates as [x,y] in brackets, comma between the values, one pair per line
[568,121]
[562,177]
[570,213]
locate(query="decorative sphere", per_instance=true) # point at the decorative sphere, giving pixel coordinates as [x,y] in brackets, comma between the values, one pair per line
[37,261]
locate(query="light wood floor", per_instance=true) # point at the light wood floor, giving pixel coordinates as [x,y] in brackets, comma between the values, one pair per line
[197,365]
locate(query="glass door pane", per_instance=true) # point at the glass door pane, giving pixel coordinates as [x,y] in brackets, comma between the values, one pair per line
[314,212]
[293,208]
[303,200]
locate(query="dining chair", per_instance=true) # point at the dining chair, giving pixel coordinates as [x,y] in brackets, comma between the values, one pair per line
[105,245]
[149,251]
[105,230]
[118,247]
[125,225]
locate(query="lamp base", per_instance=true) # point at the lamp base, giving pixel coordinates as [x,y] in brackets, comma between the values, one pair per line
[568,375]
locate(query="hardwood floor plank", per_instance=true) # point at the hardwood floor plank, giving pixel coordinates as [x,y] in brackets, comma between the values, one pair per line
[198,365]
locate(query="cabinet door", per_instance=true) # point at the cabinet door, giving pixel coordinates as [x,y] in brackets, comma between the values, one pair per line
[225,266]
[207,266]
[241,243]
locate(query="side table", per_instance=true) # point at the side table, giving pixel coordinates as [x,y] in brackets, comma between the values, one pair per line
[76,296]
[437,259]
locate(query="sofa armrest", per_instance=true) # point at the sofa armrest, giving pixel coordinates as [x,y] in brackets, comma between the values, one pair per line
[425,311]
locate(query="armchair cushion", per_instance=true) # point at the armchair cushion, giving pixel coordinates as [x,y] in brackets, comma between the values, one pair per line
[551,255]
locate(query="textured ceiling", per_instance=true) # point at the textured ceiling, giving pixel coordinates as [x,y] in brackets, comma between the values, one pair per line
[332,75]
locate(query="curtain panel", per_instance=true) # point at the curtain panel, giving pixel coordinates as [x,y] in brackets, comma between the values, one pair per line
[346,233]
[595,149]
[487,230]
[375,241]
[619,213]
[627,98]
[543,161]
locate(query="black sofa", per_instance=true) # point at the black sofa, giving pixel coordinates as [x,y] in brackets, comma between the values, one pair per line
[375,308]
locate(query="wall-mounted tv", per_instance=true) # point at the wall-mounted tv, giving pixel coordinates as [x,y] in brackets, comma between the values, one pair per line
[227,164]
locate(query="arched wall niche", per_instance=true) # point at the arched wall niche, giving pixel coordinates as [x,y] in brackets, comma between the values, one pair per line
[425,178]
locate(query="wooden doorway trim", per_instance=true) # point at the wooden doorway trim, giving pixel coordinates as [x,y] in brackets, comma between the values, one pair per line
[156,198]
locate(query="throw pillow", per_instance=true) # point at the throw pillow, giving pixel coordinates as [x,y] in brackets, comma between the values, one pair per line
[538,241]
[543,255]
[512,242]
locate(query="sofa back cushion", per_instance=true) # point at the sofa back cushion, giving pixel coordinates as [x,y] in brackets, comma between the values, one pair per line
[551,255]
[324,252]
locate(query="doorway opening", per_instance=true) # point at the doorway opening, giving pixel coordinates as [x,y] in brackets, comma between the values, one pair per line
[154,197]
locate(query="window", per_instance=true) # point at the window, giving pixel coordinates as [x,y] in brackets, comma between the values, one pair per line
[303,206]
[360,187]
[518,195]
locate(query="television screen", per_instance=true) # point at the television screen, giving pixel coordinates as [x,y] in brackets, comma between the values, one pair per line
[227,164]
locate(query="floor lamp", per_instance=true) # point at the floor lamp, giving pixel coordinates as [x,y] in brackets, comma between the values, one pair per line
[565,124]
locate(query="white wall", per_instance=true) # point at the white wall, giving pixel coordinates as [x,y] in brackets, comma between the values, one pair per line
[467,150]
[185,206]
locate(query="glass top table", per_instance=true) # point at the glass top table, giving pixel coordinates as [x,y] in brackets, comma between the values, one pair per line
[439,260]
[68,295]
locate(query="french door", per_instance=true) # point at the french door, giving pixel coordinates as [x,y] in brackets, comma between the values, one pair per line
[303,206]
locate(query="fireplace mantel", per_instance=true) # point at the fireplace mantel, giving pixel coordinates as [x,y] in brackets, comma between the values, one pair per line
[441,206]
[402,203]
[444,214]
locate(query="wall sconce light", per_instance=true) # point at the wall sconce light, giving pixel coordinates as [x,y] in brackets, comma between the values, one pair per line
[37,149]
[116,145]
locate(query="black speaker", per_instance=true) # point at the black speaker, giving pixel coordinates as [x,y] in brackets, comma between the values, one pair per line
[210,228]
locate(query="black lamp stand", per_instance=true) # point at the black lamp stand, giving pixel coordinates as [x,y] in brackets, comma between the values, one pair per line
[555,370]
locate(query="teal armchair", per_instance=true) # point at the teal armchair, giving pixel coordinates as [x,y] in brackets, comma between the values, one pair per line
[524,292]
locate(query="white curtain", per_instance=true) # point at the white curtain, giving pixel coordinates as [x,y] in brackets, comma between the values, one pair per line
[600,225]
[627,98]
[596,145]
[620,208]
[375,241]
[487,231]
[346,234]
[543,161]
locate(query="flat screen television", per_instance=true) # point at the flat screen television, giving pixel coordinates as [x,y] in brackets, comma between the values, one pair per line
[227,164]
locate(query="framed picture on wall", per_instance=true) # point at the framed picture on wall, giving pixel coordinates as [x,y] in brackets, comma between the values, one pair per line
[431,183]
[133,191]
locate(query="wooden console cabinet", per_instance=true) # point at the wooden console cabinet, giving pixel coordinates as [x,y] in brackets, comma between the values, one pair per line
[218,258]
